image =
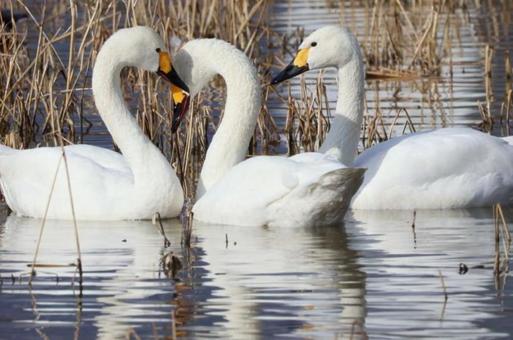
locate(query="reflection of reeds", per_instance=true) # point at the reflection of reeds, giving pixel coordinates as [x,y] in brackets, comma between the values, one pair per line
[501,258]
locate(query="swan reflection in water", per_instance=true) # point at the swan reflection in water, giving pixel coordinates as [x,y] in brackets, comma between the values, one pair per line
[371,276]
[123,286]
[277,281]
[273,281]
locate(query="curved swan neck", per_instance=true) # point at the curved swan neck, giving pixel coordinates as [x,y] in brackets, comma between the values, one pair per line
[142,156]
[343,137]
[198,62]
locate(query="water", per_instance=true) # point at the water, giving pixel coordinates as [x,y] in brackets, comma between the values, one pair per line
[123,286]
[372,276]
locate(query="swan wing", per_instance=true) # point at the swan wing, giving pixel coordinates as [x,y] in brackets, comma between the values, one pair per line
[444,168]
[260,190]
[241,196]
[103,157]
[26,177]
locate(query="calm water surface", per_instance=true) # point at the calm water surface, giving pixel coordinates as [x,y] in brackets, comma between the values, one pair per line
[369,277]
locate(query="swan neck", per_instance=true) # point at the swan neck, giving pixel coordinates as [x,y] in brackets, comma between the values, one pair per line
[243,95]
[343,137]
[143,157]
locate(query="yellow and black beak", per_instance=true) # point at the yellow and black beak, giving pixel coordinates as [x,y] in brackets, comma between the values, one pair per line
[181,101]
[179,90]
[297,66]
[168,72]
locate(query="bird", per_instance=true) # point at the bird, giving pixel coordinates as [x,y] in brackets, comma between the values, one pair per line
[303,190]
[105,185]
[446,168]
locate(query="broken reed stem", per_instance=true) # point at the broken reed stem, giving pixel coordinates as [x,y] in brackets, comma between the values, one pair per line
[65,158]
[505,229]
[413,227]
[501,227]
[496,262]
[187,218]
[43,221]
[158,219]
[446,295]
[75,225]
[173,325]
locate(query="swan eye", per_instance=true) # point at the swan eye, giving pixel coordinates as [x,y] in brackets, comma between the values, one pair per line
[313,44]
[157,50]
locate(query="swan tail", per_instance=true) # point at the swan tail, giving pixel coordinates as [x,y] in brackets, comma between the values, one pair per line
[338,188]
[320,203]
[508,139]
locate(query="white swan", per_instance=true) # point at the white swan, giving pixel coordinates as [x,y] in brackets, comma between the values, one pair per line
[306,189]
[106,185]
[437,169]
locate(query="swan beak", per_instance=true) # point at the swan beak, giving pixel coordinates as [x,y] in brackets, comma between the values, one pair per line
[167,71]
[296,67]
[181,101]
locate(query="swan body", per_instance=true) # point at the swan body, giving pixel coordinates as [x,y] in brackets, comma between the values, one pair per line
[306,189]
[437,169]
[105,184]
[303,190]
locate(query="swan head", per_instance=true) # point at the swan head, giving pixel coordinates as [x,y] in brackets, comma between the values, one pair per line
[200,60]
[143,48]
[329,46]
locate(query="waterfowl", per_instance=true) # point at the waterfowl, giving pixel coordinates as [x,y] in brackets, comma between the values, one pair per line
[105,185]
[305,189]
[436,169]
